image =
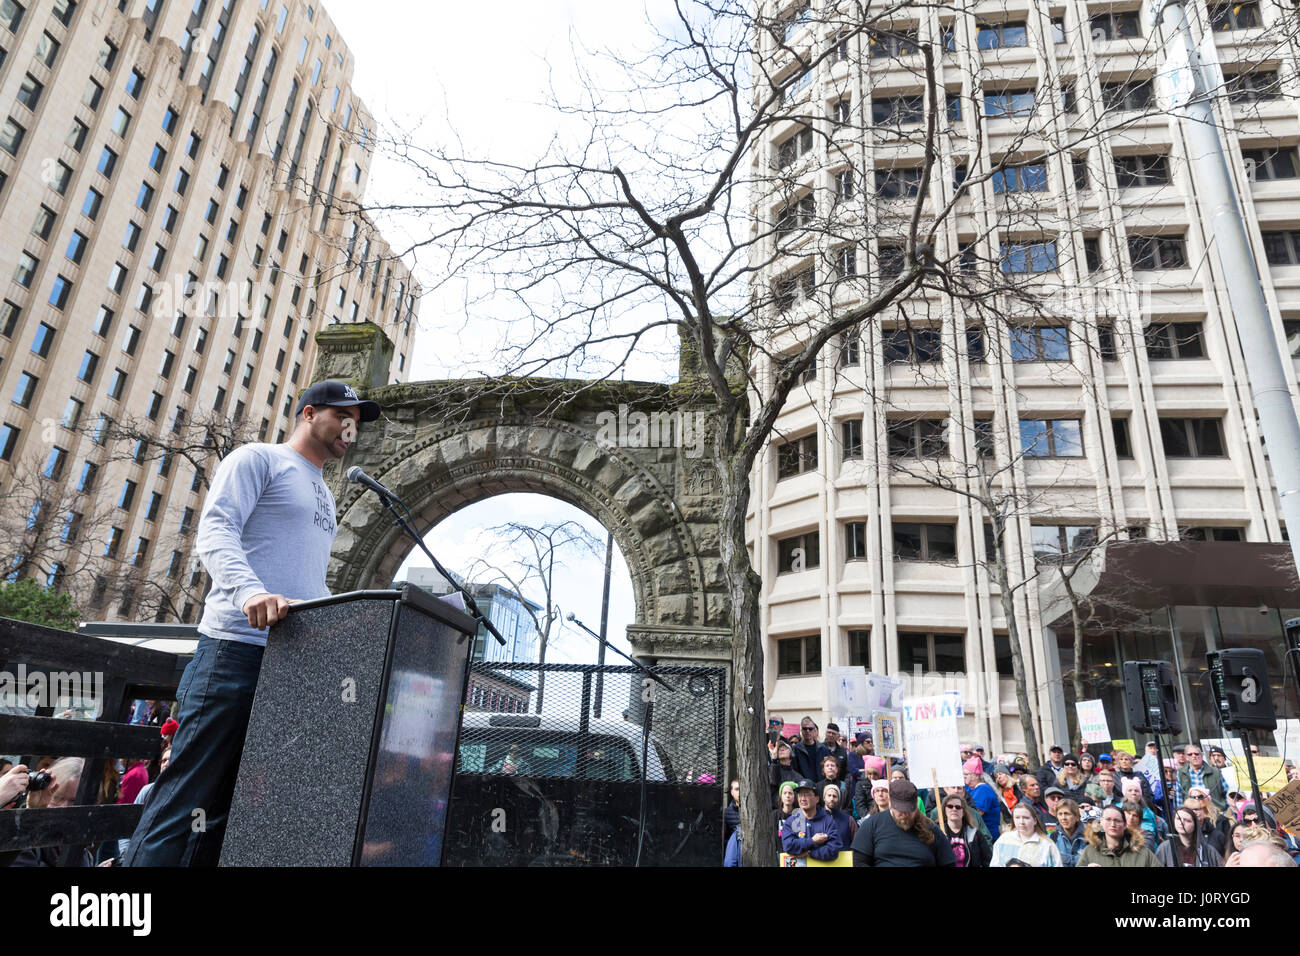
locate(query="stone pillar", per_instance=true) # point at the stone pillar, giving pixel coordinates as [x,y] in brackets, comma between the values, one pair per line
[357,353]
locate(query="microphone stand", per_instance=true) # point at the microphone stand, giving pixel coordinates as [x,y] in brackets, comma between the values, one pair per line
[470,605]
[573,618]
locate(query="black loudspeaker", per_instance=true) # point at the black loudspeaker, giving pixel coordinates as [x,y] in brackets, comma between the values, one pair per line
[1239,679]
[1152,699]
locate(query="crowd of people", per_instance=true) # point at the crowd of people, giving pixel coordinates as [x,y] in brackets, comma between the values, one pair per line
[833,796]
[55,781]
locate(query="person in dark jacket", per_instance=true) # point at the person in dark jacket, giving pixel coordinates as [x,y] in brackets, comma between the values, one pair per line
[1032,794]
[958,823]
[808,751]
[1124,771]
[731,812]
[787,804]
[1048,772]
[1186,848]
[901,837]
[844,824]
[830,773]
[781,769]
[809,832]
[834,744]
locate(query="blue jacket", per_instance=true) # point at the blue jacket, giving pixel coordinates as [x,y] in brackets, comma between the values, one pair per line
[986,804]
[1071,847]
[732,857]
[797,833]
[808,760]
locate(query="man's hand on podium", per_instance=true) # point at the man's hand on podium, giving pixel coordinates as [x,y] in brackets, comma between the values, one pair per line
[263,610]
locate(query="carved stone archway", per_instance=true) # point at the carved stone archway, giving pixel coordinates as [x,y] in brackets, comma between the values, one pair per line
[439,451]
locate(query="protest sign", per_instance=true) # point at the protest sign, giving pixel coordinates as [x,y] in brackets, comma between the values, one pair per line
[1287,737]
[847,691]
[955,697]
[1269,771]
[1092,721]
[884,693]
[1128,746]
[1285,805]
[933,748]
[888,734]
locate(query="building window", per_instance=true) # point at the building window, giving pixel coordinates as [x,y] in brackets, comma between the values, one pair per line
[1013,101]
[995,36]
[799,655]
[855,541]
[1032,257]
[796,457]
[1212,533]
[155,502]
[114,543]
[1054,543]
[851,439]
[144,198]
[1252,86]
[62,176]
[797,215]
[799,553]
[89,362]
[1174,340]
[1126,95]
[1040,343]
[983,433]
[72,413]
[128,495]
[898,111]
[1031,177]
[116,384]
[793,147]
[924,542]
[8,441]
[121,122]
[1157,252]
[944,653]
[1051,438]
[911,346]
[11,139]
[91,204]
[787,291]
[25,389]
[1192,437]
[1092,254]
[898,183]
[893,44]
[89,474]
[1115,26]
[26,270]
[1123,446]
[1282,248]
[920,438]
[1234,16]
[1268,164]
[850,350]
[1132,172]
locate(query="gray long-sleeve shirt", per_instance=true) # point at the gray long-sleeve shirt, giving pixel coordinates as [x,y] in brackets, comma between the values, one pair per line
[267,527]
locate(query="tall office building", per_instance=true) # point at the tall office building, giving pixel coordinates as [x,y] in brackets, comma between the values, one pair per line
[180,182]
[1125,415]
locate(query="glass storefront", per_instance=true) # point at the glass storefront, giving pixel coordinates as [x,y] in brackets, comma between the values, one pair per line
[1181,635]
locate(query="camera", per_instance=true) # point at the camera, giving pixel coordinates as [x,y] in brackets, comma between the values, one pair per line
[40,780]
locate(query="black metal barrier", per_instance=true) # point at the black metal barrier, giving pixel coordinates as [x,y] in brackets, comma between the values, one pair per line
[612,769]
[119,674]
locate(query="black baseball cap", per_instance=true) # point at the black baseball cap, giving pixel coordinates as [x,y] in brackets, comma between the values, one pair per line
[338,394]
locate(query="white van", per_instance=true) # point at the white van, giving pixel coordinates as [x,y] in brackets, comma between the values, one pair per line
[539,745]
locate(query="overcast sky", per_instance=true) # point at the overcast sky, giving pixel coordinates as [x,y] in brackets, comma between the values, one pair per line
[481,74]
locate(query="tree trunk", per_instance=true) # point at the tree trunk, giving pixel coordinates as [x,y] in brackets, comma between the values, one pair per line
[1076,678]
[541,673]
[748,708]
[1017,659]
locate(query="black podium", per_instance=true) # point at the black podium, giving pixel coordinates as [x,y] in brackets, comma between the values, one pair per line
[351,745]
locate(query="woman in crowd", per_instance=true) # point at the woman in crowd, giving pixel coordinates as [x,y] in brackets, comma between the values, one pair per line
[781,768]
[787,804]
[1115,844]
[731,812]
[1072,779]
[831,774]
[1214,828]
[873,768]
[1027,841]
[901,837]
[1238,835]
[879,798]
[1107,796]
[1088,768]
[1005,787]
[957,822]
[1186,848]
[1071,834]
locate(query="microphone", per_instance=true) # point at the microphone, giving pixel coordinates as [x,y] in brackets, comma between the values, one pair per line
[355,474]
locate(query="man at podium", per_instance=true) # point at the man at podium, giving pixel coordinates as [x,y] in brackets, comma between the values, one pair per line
[265,535]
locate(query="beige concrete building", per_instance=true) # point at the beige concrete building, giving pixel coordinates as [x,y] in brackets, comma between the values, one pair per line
[179,182]
[1129,416]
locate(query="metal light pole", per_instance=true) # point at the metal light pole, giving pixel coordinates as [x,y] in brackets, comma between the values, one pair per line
[1190,93]
[604,624]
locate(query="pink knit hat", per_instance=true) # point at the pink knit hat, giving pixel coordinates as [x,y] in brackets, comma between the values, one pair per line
[872,762]
[974,765]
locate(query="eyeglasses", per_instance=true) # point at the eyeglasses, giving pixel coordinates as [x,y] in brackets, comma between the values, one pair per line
[1194,797]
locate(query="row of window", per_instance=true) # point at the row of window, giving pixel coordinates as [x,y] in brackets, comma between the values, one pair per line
[929,651]
[1039,438]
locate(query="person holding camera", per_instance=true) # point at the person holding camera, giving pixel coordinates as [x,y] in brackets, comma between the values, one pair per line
[57,788]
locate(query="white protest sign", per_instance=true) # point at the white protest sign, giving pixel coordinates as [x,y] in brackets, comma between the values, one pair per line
[933,748]
[847,690]
[884,693]
[1287,737]
[1092,722]
[955,697]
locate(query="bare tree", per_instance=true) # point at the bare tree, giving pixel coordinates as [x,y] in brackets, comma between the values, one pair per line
[549,545]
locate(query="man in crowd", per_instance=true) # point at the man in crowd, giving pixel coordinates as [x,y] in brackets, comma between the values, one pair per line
[65,778]
[988,767]
[845,826]
[1198,773]
[810,832]
[265,535]
[807,752]
[1032,794]
[1049,771]
[1180,756]
[1219,761]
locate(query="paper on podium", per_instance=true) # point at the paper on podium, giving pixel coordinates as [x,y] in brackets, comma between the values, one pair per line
[456,600]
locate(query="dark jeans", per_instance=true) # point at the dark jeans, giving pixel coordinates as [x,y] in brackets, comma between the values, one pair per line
[184,819]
